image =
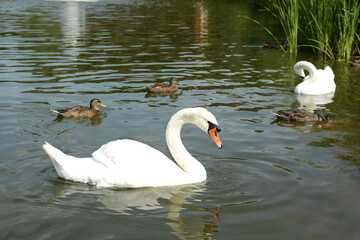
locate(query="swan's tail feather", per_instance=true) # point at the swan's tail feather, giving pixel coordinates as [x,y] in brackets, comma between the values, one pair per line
[329,72]
[328,68]
[55,155]
[53,152]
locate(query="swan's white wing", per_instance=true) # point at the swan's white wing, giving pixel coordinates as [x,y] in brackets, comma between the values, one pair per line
[321,82]
[121,163]
[328,74]
[325,81]
[135,164]
[126,151]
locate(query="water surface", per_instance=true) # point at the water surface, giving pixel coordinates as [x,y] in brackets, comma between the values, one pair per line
[272,180]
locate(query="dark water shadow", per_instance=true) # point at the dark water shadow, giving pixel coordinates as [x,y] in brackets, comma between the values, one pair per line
[288,123]
[84,120]
[171,95]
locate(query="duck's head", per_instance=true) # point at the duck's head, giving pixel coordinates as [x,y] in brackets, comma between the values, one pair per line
[322,115]
[96,102]
[174,81]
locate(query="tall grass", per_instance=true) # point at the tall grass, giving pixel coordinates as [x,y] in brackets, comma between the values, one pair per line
[287,11]
[349,23]
[329,27]
[319,26]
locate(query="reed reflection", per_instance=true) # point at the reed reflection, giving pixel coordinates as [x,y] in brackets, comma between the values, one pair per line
[201,18]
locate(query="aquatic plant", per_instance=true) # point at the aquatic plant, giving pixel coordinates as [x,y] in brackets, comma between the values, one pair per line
[349,23]
[287,11]
[328,27]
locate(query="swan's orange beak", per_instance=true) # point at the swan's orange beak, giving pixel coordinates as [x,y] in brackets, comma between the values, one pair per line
[214,134]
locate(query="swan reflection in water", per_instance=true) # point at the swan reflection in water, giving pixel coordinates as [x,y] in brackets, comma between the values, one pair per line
[201,222]
[311,103]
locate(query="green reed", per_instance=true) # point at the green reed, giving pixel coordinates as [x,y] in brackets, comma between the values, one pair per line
[287,11]
[348,26]
[329,27]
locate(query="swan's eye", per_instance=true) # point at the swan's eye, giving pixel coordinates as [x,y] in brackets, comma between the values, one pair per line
[212,125]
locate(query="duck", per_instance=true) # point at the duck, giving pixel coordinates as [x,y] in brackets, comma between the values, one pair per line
[164,87]
[276,45]
[301,115]
[318,82]
[127,163]
[355,63]
[81,111]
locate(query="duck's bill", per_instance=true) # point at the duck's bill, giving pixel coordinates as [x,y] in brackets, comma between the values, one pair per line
[214,134]
[103,105]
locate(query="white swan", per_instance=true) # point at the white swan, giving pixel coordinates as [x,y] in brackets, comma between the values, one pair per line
[131,164]
[318,81]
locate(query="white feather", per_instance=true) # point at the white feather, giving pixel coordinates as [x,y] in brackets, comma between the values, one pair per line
[129,163]
[318,81]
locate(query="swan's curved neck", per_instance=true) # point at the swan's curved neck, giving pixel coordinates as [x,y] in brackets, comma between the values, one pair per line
[301,66]
[173,139]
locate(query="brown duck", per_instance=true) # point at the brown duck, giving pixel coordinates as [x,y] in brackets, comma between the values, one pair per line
[301,115]
[164,87]
[276,45]
[355,63]
[81,111]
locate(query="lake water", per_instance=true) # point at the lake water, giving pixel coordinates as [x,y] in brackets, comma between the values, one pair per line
[271,180]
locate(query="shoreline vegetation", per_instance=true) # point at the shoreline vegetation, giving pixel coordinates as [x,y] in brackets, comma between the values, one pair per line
[330,28]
